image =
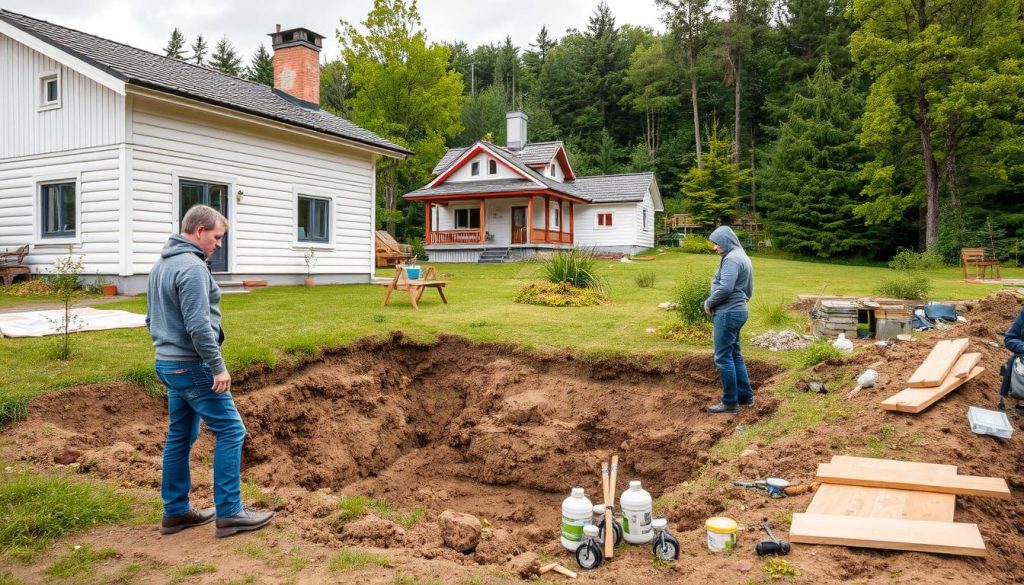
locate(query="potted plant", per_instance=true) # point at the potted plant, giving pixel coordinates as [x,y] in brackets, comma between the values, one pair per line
[310,258]
[103,285]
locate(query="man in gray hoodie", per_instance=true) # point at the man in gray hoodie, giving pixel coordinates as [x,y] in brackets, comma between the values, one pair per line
[183,316]
[731,289]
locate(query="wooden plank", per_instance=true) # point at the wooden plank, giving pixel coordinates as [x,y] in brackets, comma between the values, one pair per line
[851,500]
[968,485]
[914,400]
[887,533]
[939,362]
[965,365]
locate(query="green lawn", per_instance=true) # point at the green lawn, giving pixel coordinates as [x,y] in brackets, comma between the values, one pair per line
[277,322]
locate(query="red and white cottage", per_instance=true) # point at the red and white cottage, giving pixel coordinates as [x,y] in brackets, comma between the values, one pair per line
[493,203]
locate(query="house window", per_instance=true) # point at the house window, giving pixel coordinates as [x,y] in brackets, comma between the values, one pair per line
[474,169]
[313,220]
[49,91]
[604,220]
[558,216]
[492,167]
[467,219]
[644,224]
[58,210]
[551,169]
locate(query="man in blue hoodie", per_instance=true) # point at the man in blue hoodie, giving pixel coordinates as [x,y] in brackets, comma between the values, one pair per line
[731,289]
[183,316]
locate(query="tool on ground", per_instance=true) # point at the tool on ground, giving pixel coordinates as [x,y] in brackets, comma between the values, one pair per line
[665,546]
[775,486]
[589,555]
[599,522]
[800,489]
[865,380]
[772,546]
[609,502]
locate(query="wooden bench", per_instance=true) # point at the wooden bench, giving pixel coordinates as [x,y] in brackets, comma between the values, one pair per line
[11,264]
[390,252]
[415,288]
[976,257]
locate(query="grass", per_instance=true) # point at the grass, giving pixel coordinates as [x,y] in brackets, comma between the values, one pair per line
[38,509]
[281,323]
[351,559]
[352,507]
[79,562]
[181,574]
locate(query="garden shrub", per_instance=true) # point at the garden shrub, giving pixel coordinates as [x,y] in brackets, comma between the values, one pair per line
[907,260]
[690,296]
[696,245]
[905,285]
[645,279]
[818,352]
[576,267]
[561,294]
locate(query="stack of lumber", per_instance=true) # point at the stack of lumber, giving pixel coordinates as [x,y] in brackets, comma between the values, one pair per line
[835,317]
[896,505]
[945,369]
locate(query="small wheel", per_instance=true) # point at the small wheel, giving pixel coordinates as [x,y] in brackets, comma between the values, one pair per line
[589,556]
[616,531]
[666,547]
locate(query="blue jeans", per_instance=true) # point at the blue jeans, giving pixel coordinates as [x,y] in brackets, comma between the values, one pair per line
[731,367]
[190,398]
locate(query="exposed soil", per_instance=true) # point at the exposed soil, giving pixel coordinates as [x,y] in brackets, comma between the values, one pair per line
[503,435]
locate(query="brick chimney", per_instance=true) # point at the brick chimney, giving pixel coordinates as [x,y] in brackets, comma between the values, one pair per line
[297,64]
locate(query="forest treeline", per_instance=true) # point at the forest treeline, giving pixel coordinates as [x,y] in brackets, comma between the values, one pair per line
[852,128]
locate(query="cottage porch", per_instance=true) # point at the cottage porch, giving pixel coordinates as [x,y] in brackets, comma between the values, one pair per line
[500,221]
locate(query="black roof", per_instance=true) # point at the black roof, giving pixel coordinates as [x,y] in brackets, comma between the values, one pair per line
[145,69]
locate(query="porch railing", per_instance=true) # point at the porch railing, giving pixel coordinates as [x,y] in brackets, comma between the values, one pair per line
[554,237]
[455,237]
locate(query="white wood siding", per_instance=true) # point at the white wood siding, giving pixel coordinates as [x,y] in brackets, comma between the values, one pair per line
[172,143]
[464,172]
[622,232]
[99,227]
[645,234]
[90,114]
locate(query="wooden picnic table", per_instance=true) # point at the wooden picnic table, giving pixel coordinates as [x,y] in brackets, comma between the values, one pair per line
[415,288]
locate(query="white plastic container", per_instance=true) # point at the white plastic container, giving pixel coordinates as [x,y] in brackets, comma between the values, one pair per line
[843,344]
[637,512]
[721,533]
[577,512]
[989,422]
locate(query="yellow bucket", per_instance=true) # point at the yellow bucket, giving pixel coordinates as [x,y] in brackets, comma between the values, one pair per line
[721,533]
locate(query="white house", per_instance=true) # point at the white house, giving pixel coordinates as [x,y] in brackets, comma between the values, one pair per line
[487,203]
[105,146]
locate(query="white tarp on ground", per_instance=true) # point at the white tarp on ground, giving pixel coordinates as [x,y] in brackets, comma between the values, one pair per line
[40,323]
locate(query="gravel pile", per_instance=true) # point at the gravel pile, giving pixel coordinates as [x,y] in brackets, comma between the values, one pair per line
[782,340]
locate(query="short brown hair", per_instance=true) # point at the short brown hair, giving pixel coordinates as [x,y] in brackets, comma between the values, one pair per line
[202,215]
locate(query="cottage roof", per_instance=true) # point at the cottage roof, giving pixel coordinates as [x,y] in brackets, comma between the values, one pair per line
[621,188]
[145,69]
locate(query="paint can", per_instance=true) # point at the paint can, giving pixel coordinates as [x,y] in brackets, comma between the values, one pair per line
[721,533]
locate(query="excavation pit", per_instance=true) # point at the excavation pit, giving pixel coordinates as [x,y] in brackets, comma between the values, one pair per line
[480,429]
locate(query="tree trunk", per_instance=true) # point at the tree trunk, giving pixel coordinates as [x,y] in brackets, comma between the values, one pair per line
[753,177]
[389,186]
[693,100]
[736,85]
[931,174]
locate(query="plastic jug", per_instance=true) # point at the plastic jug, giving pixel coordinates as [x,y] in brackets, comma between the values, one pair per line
[637,514]
[577,512]
[843,344]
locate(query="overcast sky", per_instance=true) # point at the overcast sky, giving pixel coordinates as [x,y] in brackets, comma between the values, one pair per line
[147,24]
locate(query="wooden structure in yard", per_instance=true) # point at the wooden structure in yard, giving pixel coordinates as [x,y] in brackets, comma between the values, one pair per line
[415,287]
[883,317]
[896,505]
[977,259]
[945,369]
[390,252]
[12,264]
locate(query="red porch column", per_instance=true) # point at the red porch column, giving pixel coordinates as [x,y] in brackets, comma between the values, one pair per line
[561,220]
[572,238]
[430,209]
[529,220]
[547,217]
[483,221]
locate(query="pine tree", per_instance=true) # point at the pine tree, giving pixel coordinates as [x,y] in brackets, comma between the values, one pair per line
[711,194]
[261,69]
[175,45]
[810,185]
[199,49]
[225,59]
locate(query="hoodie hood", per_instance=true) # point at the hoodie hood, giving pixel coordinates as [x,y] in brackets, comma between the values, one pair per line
[179,244]
[725,238]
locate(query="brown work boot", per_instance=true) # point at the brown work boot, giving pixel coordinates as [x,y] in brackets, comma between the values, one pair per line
[173,524]
[243,521]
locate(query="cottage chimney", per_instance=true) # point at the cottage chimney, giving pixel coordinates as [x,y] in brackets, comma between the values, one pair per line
[515,124]
[297,64]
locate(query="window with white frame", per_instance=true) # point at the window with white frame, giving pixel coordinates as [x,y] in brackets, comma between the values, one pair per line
[644,224]
[492,167]
[474,169]
[58,210]
[313,220]
[558,217]
[49,90]
[467,219]
[551,169]
[604,220]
